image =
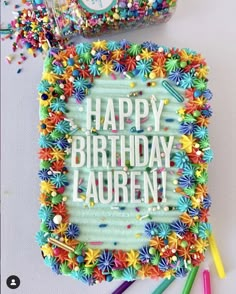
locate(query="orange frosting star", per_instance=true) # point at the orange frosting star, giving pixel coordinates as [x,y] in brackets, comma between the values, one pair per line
[145,271]
[155,272]
[58,165]
[201,191]
[184,252]
[45,154]
[97,274]
[68,88]
[186,218]
[60,209]
[204,215]
[130,63]
[55,117]
[118,54]
[157,243]
[62,255]
[159,69]
[45,126]
[120,259]
[44,199]
[72,263]
[202,121]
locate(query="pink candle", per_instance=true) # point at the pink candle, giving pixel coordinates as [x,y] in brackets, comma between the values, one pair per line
[206,281]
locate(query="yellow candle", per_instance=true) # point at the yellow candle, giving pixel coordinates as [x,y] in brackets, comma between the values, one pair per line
[216,256]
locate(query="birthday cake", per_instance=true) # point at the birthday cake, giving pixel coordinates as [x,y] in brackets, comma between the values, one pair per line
[124,152]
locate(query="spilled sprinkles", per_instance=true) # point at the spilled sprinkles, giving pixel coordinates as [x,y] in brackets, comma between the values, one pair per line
[38,26]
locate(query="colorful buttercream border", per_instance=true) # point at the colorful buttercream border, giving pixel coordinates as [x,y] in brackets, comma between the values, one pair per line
[173,248]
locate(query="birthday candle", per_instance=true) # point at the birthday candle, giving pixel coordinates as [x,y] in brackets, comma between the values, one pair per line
[123,287]
[216,256]
[206,281]
[190,280]
[163,286]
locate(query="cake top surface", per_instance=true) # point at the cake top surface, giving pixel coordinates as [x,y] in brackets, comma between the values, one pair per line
[124,151]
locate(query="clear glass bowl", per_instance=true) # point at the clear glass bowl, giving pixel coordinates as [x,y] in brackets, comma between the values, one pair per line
[91,18]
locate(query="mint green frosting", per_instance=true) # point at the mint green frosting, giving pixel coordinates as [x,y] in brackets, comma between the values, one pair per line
[116,220]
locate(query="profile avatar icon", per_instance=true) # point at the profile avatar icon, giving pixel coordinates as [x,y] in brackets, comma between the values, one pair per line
[13,282]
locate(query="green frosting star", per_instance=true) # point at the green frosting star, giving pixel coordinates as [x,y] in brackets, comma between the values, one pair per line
[189,118]
[45,164]
[88,270]
[190,191]
[43,112]
[155,259]
[79,248]
[56,135]
[44,228]
[57,199]
[204,143]
[58,90]
[86,57]
[48,64]
[203,178]
[117,274]
[195,229]
[134,49]
[200,84]
[65,269]
[172,64]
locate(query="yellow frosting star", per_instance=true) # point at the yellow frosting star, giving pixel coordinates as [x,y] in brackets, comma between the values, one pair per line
[62,227]
[200,101]
[196,203]
[57,154]
[145,54]
[100,45]
[181,111]
[47,250]
[107,68]
[117,54]
[203,166]
[34,26]
[45,102]
[173,240]
[50,77]
[185,56]
[198,173]
[201,245]
[169,273]
[46,187]
[132,258]
[91,256]
[203,72]
[187,143]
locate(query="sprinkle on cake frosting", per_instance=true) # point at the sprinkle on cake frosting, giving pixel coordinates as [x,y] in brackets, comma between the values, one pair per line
[178,241]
